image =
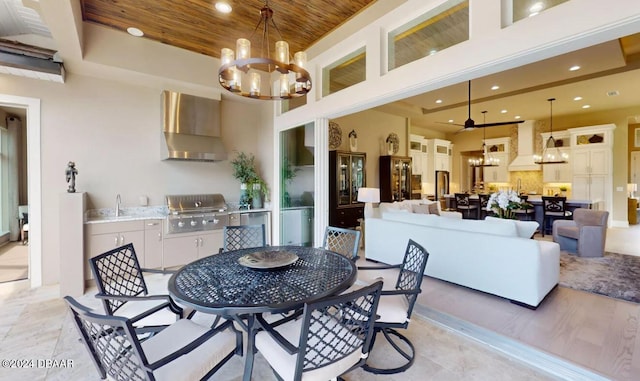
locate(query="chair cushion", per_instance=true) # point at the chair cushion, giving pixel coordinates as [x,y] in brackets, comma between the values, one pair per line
[393,309]
[162,317]
[569,231]
[284,363]
[195,364]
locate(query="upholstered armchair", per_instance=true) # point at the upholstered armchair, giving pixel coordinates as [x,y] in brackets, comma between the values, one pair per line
[585,235]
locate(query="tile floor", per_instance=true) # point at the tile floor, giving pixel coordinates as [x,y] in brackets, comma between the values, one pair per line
[35,324]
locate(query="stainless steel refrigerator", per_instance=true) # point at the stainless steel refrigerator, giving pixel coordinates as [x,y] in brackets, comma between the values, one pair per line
[442,184]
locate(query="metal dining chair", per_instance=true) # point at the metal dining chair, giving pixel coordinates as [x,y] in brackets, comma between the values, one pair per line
[397,302]
[342,241]
[332,337]
[184,350]
[243,237]
[123,290]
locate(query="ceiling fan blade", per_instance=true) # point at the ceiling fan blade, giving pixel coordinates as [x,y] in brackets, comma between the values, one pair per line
[451,124]
[498,124]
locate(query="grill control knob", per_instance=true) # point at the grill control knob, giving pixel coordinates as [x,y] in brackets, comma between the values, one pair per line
[193,223]
[204,221]
[180,224]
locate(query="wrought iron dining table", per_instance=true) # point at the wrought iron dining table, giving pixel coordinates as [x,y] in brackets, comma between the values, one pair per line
[219,284]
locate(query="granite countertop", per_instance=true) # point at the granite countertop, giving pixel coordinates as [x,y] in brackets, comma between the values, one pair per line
[534,199]
[96,216]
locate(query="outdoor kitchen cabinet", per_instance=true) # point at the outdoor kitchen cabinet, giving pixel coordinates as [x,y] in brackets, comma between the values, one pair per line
[102,237]
[180,249]
[152,244]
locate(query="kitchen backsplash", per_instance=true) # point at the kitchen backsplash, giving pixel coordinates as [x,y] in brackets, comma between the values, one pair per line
[530,181]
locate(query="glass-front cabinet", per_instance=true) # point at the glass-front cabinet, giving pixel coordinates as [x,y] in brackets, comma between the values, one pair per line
[395,178]
[347,175]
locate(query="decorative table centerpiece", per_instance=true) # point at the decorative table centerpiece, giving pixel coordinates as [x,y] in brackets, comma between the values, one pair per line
[505,203]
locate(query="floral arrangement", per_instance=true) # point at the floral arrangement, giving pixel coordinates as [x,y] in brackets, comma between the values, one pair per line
[504,204]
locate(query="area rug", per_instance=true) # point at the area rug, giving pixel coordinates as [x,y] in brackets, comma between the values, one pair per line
[613,275]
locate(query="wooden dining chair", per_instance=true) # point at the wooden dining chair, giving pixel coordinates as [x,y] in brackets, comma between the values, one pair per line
[332,337]
[123,290]
[243,237]
[463,205]
[553,207]
[342,241]
[183,350]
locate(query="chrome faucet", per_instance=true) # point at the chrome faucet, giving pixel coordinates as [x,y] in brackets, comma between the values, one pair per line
[518,186]
[118,201]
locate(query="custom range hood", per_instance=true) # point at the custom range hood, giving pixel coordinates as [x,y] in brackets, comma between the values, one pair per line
[191,128]
[524,161]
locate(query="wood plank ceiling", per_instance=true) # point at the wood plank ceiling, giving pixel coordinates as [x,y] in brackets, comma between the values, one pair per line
[195,25]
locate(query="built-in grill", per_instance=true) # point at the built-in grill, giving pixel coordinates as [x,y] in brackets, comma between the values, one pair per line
[196,212]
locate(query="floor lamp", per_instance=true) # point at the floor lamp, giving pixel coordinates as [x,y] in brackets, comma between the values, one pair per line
[368,196]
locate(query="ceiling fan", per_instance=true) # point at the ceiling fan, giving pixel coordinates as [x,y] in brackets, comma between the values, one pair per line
[470,124]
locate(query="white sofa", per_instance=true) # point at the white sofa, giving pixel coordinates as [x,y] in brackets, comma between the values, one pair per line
[495,256]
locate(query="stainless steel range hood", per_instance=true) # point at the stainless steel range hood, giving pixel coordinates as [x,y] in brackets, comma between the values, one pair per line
[191,128]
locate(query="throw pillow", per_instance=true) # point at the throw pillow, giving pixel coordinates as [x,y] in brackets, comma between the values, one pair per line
[421,209]
[433,209]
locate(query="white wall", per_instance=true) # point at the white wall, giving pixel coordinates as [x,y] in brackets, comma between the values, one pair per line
[112,131]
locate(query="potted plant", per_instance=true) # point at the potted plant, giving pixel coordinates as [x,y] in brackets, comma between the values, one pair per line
[563,190]
[288,173]
[252,186]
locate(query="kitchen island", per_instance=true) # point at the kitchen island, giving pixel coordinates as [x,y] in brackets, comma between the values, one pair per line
[536,201]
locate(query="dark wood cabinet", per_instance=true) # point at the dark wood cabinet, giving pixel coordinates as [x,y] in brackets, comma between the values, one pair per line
[346,176]
[395,178]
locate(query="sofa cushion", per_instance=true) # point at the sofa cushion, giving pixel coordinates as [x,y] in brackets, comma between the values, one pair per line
[421,209]
[525,229]
[434,208]
[505,229]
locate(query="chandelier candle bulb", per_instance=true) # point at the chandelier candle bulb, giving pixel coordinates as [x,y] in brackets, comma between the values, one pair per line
[255,84]
[284,86]
[226,56]
[243,49]
[282,52]
[236,82]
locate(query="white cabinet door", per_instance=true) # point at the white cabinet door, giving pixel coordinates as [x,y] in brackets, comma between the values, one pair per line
[580,187]
[599,161]
[153,244]
[306,224]
[210,243]
[179,250]
[109,235]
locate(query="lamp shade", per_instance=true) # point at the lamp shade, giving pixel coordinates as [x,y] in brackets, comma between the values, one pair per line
[369,195]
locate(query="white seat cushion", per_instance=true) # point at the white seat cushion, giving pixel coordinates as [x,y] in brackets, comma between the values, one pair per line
[284,363]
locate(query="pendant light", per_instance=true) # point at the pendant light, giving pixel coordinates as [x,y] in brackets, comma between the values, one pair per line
[487,159]
[550,152]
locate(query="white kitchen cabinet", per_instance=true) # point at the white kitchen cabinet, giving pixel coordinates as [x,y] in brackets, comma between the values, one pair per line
[180,249]
[558,173]
[591,162]
[498,149]
[438,159]
[297,226]
[102,237]
[152,244]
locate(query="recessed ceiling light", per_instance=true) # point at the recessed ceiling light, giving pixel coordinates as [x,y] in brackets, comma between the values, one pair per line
[503,111]
[517,116]
[586,106]
[433,51]
[438,101]
[495,87]
[223,7]
[450,120]
[135,32]
[574,68]
[533,14]
[577,98]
